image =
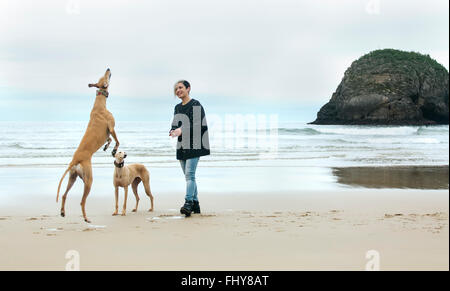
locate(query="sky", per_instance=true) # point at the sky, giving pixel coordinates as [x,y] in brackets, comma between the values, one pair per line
[240,56]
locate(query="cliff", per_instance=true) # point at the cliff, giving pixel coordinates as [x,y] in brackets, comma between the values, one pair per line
[390,87]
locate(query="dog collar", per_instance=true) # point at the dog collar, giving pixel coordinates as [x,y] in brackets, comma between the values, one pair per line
[118,165]
[102,92]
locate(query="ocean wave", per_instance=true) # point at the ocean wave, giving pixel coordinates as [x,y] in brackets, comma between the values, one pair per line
[305,131]
[40,146]
[435,130]
[30,146]
[359,130]
[403,141]
[365,130]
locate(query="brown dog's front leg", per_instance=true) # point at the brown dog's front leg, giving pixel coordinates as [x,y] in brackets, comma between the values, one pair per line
[108,142]
[117,201]
[124,210]
[113,133]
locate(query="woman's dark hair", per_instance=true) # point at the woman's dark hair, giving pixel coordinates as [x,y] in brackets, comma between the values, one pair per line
[184,82]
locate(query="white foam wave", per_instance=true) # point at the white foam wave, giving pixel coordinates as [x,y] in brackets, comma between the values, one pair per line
[354,130]
[402,141]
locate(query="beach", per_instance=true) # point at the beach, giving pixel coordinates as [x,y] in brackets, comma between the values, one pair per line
[318,133]
[311,230]
[327,198]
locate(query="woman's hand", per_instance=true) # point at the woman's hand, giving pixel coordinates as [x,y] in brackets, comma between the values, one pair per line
[175,132]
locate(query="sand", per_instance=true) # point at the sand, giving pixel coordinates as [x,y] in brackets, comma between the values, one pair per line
[312,230]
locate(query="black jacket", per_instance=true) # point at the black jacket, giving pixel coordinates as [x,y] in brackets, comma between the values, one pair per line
[194,139]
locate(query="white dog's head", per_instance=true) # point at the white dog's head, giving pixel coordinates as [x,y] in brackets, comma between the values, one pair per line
[120,156]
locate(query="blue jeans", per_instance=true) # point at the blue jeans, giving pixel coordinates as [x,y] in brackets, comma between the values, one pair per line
[189,167]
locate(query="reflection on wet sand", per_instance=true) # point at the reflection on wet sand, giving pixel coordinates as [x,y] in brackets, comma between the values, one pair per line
[413,177]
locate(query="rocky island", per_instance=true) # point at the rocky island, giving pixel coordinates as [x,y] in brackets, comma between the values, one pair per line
[390,87]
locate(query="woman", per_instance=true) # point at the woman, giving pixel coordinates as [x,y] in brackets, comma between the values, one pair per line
[189,125]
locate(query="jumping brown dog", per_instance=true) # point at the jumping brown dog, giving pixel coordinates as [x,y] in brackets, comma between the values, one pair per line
[101,125]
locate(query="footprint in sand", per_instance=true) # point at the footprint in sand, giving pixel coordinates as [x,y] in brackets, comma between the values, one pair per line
[392,215]
[92,227]
[305,214]
[437,215]
[269,216]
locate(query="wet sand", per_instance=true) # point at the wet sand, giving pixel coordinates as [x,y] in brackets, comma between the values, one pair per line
[411,177]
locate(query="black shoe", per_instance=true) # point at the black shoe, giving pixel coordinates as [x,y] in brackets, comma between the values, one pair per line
[196,207]
[186,209]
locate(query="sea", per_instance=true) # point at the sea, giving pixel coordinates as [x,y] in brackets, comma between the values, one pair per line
[52,144]
[288,156]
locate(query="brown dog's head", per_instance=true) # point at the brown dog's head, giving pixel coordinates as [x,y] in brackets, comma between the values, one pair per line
[120,156]
[103,83]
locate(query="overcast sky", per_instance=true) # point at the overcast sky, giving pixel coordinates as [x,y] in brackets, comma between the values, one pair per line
[287,53]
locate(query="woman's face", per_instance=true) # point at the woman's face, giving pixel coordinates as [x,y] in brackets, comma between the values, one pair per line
[181,91]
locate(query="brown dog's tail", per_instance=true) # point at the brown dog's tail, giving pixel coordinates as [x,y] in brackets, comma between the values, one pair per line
[72,163]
